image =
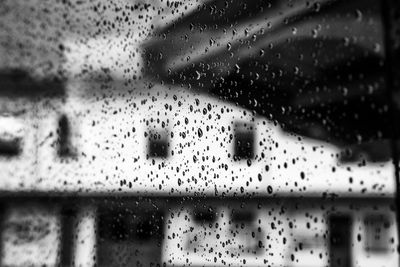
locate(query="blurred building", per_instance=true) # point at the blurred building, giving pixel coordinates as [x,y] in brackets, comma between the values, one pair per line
[120,172]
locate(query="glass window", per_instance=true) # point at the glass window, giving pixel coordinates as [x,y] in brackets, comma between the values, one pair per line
[10,136]
[158,145]
[199,133]
[65,147]
[244,136]
[377,233]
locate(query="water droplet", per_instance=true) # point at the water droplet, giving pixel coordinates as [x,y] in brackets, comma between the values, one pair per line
[314,33]
[198,75]
[317,7]
[212,42]
[358,15]
[345,91]
[237,68]
[377,48]
[346,41]
[269,189]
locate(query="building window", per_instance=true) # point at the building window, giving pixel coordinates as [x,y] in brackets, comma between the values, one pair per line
[377,233]
[158,145]
[65,148]
[10,148]
[246,232]
[340,247]
[243,141]
[129,236]
[11,134]
[204,215]
[123,225]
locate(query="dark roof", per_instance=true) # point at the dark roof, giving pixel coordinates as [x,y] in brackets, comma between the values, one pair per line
[318,69]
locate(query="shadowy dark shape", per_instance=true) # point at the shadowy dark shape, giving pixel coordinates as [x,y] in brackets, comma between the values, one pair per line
[317,83]
[157,146]
[10,148]
[340,241]
[65,147]
[243,143]
[19,83]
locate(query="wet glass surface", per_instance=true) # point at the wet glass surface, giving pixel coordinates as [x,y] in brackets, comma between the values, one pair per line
[199,133]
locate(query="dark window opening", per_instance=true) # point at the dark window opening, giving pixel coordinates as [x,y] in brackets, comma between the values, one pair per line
[377,236]
[65,148]
[203,216]
[115,226]
[242,216]
[243,142]
[340,240]
[243,227]
[149,227]
[10,148]
[120,226]
[68,220]
[158,145]
[125,234]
